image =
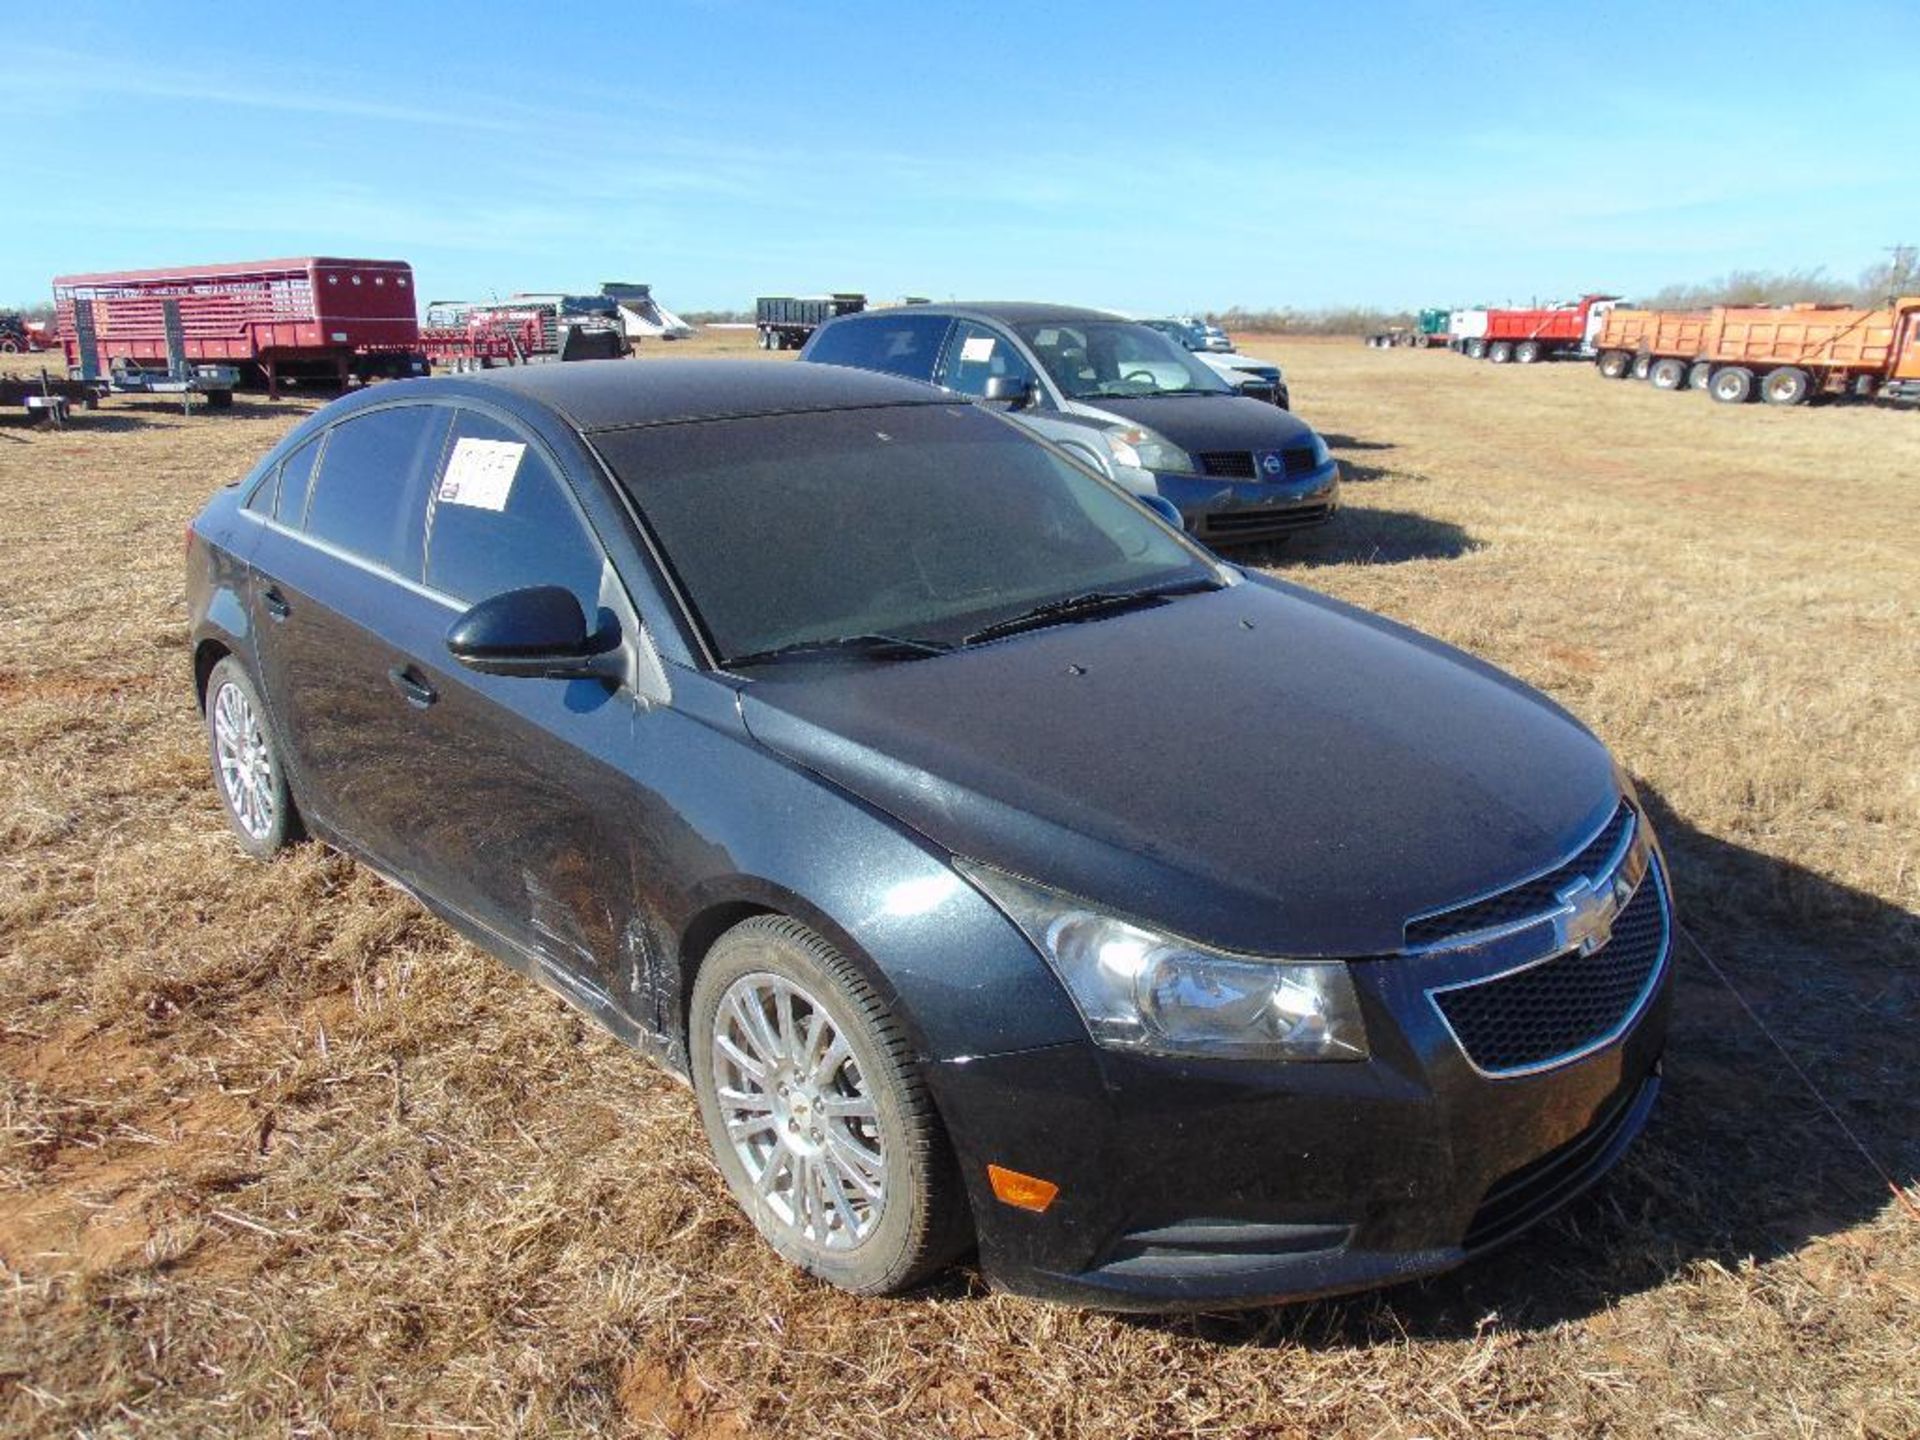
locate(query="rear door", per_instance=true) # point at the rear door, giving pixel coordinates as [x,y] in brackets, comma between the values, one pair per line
[339,609]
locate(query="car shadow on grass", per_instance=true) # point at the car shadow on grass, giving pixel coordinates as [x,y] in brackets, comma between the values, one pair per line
[1363,535]
[1739,1161]
[1350,442]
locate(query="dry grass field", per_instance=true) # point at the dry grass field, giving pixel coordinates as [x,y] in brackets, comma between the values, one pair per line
[281,1155]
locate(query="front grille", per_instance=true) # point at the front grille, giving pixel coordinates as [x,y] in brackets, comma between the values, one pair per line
[1566,1006]
[1228,464]
[1535,1190]
[1241,465]
[1264,522]
[1532,897]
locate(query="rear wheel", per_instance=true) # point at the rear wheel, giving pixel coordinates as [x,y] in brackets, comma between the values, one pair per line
[818,1116]
[9,345]
[1667,374]
[1476,349]
[1613,364]
[1698,374]
[1731,385]
[1500,352]
[1527,351]
[1789,385]
[246,765]
[1642,366]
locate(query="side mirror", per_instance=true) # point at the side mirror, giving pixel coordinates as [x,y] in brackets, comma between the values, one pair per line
[1012,391]
[1164,508]
[538,633]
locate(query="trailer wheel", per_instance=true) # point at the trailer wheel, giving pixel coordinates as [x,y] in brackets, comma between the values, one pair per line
[1527,351]
[1731,385]
[1698,374]
[219,399]
[1499,352]
[9,346]
[1789,385]
[1613,364]
[1667,374]
[1476,349]
[1642,366]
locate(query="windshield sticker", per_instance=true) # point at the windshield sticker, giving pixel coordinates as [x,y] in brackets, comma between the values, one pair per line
[481,473]
[976,349]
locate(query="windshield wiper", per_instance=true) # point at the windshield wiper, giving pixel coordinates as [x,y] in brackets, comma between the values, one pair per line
[1087,606]
[1184,390]
[877,647]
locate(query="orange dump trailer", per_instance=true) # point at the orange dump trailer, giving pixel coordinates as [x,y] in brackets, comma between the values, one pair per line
[1785,354]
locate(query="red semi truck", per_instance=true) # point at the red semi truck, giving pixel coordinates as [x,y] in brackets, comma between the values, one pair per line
[309,318]
[1543,333]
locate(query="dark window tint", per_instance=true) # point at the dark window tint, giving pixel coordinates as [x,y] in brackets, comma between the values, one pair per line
[370,494]
[976,355]
[502,520]
[296,474]
[897,342]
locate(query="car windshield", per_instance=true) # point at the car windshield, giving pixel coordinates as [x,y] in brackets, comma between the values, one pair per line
[917,523]
[1117,359]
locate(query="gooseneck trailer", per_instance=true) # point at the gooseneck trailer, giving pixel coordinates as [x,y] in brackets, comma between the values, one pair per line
[310,318]
[1784,354]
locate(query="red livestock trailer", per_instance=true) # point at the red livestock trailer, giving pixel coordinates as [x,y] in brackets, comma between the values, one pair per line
[309,318]
[1541,333]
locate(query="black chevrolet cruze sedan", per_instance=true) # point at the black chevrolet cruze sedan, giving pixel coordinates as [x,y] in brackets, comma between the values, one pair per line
[999,866]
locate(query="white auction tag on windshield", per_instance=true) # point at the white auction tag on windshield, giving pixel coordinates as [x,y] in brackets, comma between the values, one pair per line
[976,348]
[481,473]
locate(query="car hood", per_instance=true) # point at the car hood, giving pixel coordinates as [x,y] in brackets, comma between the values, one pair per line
[1259,768]
[1212,422]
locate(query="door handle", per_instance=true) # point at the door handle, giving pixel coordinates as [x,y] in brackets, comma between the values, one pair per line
[409,682]
[276,604]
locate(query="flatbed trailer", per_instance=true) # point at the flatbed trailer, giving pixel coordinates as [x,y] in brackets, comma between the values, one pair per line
[785,321]
[1548,332]
[464,335]
[46,396]
[313,317]
[1783,354]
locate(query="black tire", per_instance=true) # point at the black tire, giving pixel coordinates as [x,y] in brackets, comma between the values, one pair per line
[1476,349]
[264,821]
[1499,352]
[1668,373]
[1527,352]
[9,346]
[1789,385]
[924,1222]
[220,399]
[1613,364]
[1731,385]
[1642,366]
[1698,374]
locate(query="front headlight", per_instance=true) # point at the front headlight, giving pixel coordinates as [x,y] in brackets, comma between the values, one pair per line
[1140,989]
[1140,447]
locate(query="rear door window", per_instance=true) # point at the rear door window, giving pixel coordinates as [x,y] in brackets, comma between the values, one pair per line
[976,355]
[503,520]
[288,495]
[900,343]
[370,494]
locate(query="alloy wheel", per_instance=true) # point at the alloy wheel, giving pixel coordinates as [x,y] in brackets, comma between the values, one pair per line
[246,762]
[798,1113]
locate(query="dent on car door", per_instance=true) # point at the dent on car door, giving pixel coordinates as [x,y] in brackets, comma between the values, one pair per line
[338,607]
[532,796]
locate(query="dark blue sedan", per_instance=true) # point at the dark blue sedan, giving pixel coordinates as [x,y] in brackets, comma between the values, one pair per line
[1001,868]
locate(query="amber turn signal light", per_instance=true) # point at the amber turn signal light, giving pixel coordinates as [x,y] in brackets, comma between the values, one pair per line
[1023,1192]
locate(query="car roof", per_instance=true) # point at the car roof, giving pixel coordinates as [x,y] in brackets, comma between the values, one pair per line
[622,394]
[1018,311]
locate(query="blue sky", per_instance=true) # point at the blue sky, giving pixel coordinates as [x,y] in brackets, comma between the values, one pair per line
[1150,156]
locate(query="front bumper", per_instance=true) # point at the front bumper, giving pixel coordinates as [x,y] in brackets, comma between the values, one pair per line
[1221,511]
[1192,1184]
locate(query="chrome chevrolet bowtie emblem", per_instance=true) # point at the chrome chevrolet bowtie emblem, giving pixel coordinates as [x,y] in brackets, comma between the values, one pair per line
[1586,922]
